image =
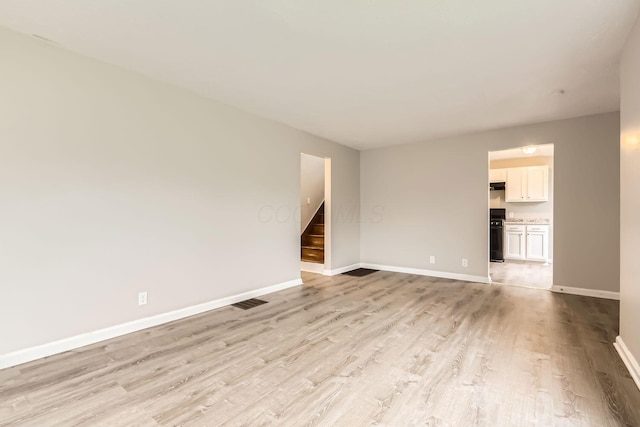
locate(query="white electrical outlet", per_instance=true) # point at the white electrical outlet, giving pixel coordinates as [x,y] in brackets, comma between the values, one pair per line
[142,298]
[432,259]
[465,262]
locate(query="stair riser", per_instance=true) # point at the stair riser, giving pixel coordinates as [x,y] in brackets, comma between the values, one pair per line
[317,229]
[315,241]
[312,255]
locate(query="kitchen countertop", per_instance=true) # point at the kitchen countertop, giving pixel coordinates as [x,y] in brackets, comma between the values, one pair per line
[518,221]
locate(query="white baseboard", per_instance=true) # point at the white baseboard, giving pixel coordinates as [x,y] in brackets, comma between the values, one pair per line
[28,354]
[586,292]
[312,267]
[341,270]
[421,272]
[629,361]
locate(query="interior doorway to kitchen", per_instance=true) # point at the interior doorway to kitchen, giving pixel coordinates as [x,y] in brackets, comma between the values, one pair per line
[521,216]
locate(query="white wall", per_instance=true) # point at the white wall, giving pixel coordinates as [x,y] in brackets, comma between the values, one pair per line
[431,199]
[113,183]
[311,187]
[630,195]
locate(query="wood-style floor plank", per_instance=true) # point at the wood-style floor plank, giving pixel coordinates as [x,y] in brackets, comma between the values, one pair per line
[387,348]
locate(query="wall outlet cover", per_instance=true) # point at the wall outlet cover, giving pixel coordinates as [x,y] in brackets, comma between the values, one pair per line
[142,298]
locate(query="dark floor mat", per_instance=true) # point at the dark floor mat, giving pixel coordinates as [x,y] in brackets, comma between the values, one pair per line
[359,272]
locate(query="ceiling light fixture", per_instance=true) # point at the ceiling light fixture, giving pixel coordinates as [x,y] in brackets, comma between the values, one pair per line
[530,149]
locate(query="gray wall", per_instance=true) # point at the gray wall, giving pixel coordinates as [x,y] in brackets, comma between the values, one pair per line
[311,186]
[113,183]
[630,194]
[431,199]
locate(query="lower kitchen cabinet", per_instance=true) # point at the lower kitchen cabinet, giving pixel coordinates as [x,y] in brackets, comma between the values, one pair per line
[514,241]
[528,242]
[537,242]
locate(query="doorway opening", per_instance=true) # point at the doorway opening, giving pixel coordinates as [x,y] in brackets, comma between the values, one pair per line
[315,213]
[521,216]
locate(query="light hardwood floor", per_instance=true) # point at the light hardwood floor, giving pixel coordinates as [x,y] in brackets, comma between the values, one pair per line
[388,348]
[522,273]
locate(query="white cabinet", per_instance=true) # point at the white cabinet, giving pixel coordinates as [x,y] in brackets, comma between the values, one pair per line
[537,183]
[538,242]
[530,242]
[529,184]
[497,175]
[514,242]
[515,190]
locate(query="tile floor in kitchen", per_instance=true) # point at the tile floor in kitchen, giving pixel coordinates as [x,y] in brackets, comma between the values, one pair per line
[522,273]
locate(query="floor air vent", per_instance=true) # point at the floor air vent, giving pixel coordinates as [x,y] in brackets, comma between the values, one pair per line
[249,303]
[359,272]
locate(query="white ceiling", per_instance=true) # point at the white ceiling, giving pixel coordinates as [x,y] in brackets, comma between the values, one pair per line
[517,153]
[364,73]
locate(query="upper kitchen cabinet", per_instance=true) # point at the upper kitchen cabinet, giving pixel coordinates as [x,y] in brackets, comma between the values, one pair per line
[515,187]
[497,175]
[528,184]
[537,183]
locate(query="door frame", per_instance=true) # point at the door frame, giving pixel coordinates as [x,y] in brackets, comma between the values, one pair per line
[552,178]
[325,268]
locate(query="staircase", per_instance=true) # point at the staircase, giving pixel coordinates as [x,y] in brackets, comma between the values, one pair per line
[312,240]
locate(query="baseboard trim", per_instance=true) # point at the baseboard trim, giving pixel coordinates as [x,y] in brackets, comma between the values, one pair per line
[312,267]
[341,270]
[422,272]
[629,361]
[586,292]
[37,352]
